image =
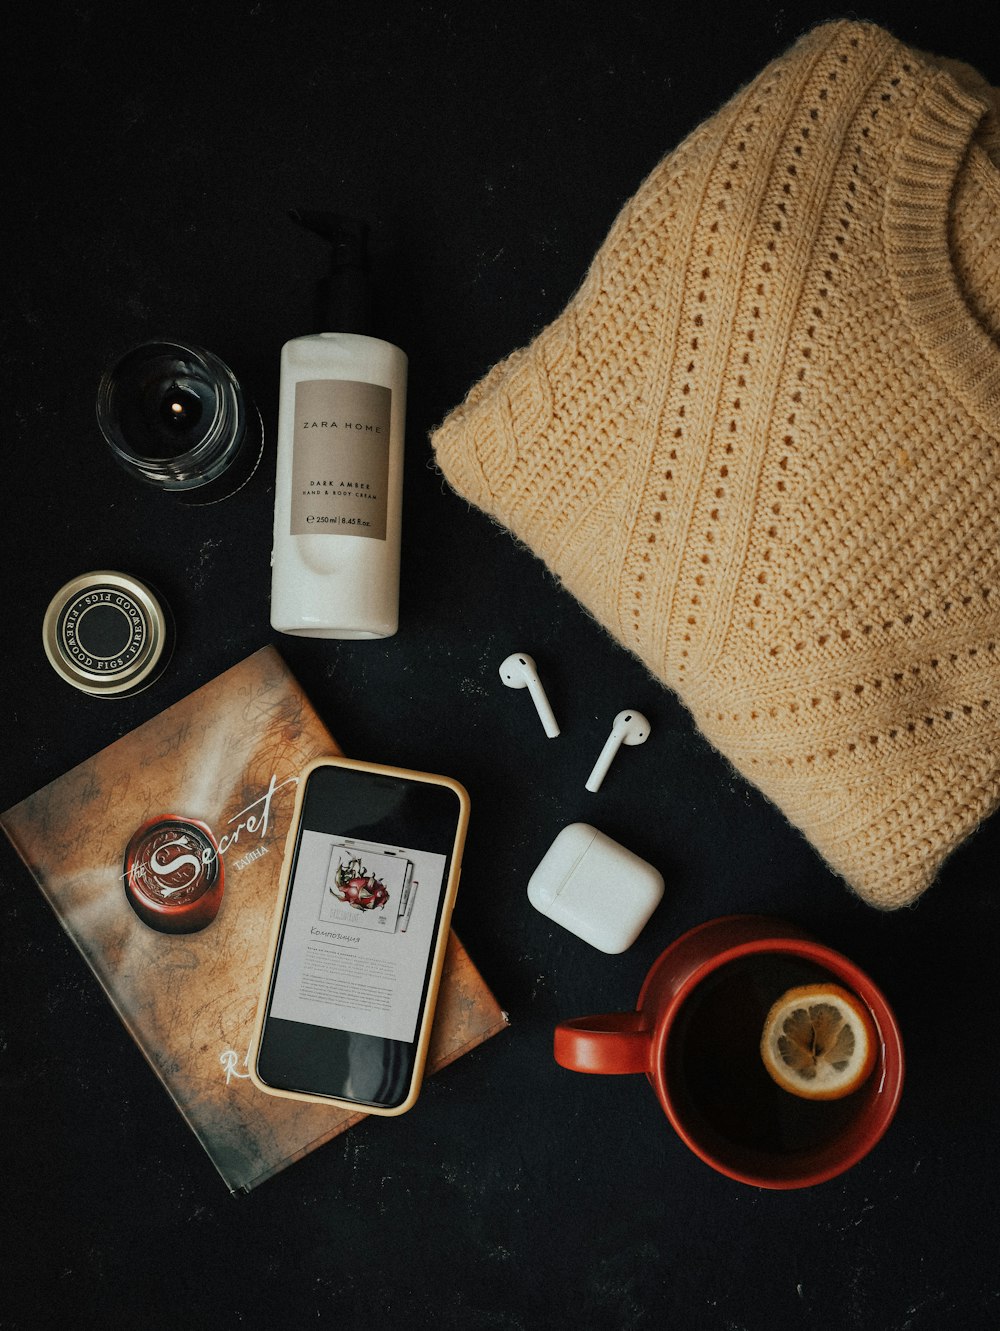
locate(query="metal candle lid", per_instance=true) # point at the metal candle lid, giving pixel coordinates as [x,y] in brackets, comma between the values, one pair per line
[107,634]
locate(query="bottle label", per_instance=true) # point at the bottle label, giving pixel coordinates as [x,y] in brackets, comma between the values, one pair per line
[340,458]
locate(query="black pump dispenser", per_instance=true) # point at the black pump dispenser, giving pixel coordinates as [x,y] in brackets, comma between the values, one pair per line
[343,299]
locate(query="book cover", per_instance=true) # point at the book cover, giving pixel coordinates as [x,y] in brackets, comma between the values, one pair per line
[160,857]
[364,875]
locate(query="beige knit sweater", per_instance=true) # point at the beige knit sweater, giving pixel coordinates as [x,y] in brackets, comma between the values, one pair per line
[762,445]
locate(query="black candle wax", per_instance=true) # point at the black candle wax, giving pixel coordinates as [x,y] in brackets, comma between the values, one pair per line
[166,408]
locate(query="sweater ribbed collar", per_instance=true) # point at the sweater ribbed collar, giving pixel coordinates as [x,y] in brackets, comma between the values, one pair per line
[918,201]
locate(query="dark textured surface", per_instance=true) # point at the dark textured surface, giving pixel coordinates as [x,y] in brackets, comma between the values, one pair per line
[152,162]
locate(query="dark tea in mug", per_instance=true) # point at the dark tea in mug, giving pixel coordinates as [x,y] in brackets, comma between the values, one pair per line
[723,1094]
[776,1059]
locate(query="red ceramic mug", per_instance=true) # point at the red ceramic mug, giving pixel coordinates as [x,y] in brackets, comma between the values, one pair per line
[696,1031]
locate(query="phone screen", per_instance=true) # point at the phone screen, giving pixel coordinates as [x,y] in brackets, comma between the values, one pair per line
[362,914]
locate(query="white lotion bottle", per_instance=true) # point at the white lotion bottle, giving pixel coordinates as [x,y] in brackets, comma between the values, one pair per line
[338,493]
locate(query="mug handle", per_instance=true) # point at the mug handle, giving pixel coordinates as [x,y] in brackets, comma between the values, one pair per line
[614,1042]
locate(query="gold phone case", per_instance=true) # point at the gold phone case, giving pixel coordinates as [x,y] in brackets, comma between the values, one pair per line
[437,955]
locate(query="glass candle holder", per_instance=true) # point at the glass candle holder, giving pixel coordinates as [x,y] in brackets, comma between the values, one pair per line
[175,417]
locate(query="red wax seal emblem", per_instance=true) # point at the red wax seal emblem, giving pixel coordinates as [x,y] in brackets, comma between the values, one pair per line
[174,874]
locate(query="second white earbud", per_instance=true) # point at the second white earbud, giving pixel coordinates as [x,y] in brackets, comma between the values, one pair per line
[630,727]
[518,672]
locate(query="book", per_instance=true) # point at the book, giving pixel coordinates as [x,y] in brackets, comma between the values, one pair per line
[218,769]
[362,861]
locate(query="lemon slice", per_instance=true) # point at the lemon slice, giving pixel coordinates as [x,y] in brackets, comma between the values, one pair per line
[819,1042]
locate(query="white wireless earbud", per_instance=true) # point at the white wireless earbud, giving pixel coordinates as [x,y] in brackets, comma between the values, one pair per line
[630,727]
[518,672]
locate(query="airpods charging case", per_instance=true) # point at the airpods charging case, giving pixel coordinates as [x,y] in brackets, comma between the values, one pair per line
[596,888]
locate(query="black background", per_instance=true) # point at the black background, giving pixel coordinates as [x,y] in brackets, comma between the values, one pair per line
[152,153]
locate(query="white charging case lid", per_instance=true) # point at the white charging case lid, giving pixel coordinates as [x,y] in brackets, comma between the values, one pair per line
[596,888]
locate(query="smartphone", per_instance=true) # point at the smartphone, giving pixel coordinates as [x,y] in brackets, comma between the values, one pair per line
[356,954]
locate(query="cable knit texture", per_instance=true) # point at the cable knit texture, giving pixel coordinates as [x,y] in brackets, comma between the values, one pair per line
[761,445]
